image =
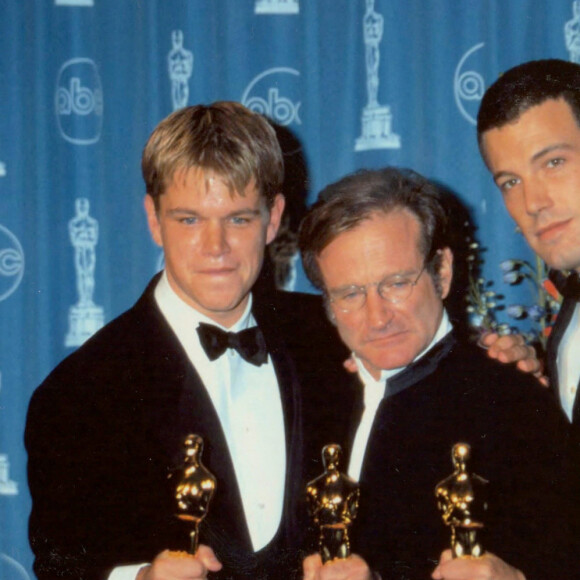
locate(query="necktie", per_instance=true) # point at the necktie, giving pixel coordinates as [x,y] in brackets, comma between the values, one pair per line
[250,343]
[568,286]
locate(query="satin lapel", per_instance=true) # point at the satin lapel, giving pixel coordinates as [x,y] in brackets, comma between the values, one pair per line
[424,366]
[225,527]
[268,319]
[562,321]
[317,411]
[356,405]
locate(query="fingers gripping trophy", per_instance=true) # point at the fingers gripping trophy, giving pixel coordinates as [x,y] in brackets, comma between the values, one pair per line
[461,499]
[333,504]
[195,488]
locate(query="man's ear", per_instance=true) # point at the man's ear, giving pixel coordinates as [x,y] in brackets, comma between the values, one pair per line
[329,311]
[446,271]
[275,219]
[153,220]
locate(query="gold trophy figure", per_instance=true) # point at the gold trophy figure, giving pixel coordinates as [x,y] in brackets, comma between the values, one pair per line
[195,488]
[333,503]
[461,501]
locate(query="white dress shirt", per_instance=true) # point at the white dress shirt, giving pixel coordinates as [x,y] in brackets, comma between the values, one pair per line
[568,363]
[373,394]
[247,400]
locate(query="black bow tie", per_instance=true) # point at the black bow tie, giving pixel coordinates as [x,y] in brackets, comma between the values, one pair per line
[568,286]
[250,343]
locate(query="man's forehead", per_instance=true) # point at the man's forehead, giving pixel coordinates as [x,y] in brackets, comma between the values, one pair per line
[207,178]
[388,222]
[547,125]
[384,244]
[545,114]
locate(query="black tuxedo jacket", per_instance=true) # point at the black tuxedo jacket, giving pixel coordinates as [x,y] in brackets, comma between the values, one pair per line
[105,431]
[518,436]
[562,322]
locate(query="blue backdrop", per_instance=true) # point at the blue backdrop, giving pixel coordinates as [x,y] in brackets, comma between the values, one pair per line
[351,84]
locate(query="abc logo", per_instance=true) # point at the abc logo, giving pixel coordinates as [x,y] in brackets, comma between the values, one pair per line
[468,87]
[79,102]
[275,93]
[11,263]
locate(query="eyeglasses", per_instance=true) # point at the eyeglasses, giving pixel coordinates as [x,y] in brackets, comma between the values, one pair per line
[393,289]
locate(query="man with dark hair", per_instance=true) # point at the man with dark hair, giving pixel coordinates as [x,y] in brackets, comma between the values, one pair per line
[199,353]
[376,245]
[528,130]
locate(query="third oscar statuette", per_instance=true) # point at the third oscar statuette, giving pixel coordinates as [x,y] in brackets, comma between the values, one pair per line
[461,499]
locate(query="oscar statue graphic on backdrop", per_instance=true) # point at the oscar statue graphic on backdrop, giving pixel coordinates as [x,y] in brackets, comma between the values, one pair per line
[276,7]
[462,500]
[180,65]
[572,33]
[7,486]
[194,490]
[12,263]
[85,317]
[333,504]
[376,119]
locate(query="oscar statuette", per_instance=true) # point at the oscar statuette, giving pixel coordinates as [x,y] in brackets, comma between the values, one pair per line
[333,503]
[195,488]
[461,499]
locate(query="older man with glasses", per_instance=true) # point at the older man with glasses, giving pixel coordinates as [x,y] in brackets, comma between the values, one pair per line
[376,244]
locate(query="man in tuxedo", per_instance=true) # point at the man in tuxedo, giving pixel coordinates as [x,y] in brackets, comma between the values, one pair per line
[528,130]
[376,244]
[200,352]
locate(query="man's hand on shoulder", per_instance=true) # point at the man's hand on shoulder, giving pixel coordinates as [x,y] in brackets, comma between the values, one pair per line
[512,348]
[351,568]
[486,567]
[181,566]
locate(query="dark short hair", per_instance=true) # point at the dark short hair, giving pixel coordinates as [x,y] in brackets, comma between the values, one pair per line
[225,137]
[525,86]
[343,205]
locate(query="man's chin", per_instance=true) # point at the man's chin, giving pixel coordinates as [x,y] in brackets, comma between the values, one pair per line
[388,363]
[221,307]
[560,262]
[559,256]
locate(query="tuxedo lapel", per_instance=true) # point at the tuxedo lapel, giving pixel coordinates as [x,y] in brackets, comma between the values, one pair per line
[562,321]
[271,324]
[225,527]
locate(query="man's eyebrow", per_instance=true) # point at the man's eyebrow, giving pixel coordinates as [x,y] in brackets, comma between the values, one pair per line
[408,272]
[245,211]
[345,287]
[181,210]
[550,148]
[500,174]
[392,276]
[536,156]
[177,211]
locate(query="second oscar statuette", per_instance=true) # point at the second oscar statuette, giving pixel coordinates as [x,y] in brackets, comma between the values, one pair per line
[333,504]
[195,488]
[462,499]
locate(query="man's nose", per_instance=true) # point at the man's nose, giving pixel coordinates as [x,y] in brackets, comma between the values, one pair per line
[214,239]
[537,196]
[378,310]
